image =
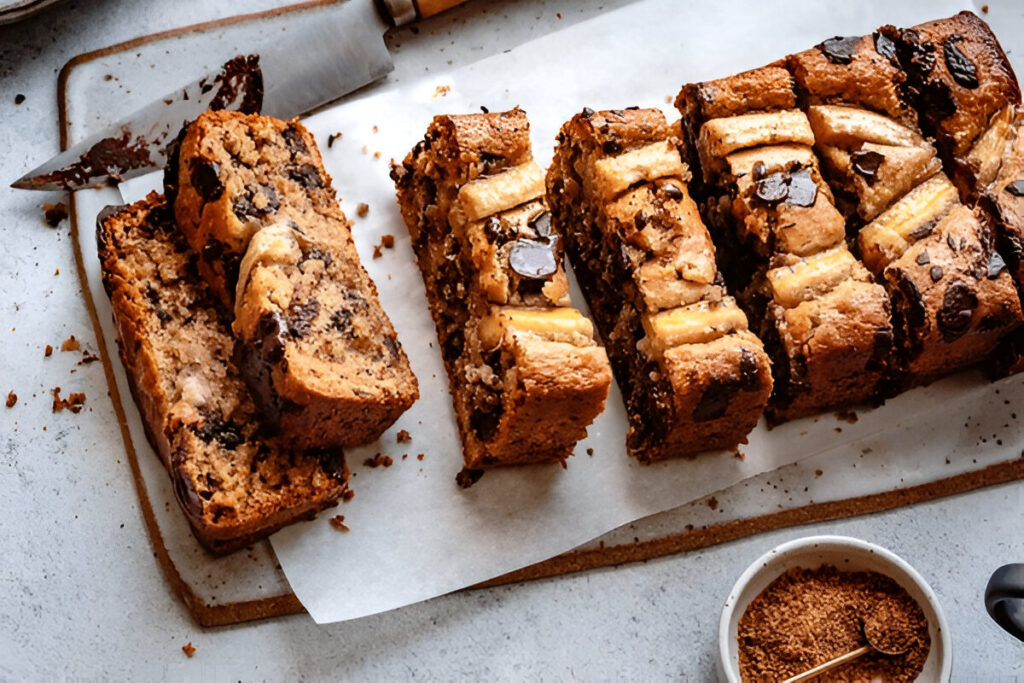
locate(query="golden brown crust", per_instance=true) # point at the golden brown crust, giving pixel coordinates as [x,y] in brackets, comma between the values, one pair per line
[233,484]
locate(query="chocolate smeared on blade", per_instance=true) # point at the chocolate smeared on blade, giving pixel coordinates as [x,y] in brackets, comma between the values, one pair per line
[240,82]
[110,157]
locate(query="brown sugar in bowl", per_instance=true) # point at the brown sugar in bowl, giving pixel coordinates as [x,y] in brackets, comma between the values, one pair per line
[846,554]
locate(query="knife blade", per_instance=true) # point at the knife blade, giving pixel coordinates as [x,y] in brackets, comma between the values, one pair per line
[340,53]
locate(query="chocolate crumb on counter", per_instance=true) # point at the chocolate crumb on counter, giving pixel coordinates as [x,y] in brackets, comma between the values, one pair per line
[88,357]
[188,649]
[12,398]
[19,98]
[467,477]
[387,241]
[73,402]
[347,495]
[363,209]
[338,522]
[818,473]
[55,213]
[403,436]
[48,351]
[379,460]
[590,452]
[332,137]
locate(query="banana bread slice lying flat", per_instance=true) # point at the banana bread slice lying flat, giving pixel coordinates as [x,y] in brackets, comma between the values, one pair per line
[319,354]
[234,484]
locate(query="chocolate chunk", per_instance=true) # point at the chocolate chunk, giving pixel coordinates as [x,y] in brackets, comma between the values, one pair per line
[914,311]
[296,145]
[772,188]
[922,230]
[315,254]
[715,401]
[803,191]
[640,220]
[301,317]
[960,68]
[1016,188]
[996,265]
[496,230]
[935,273]
[919,57]
[270,335]
[332,462]
[244,206]
[951,242]
[672,191]
[485,422]
[541,223]
[750,376]
[587,112]
[212,250]
[341,320]
[227,433]
[611,147]
[185,492]
[205,179]
[958,304]
[758,171]
[839,50]
[885,47]
[306,175]
[923,259]
[866,164]
[533,258]
[617,112]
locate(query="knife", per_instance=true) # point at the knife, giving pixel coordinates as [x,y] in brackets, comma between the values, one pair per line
[342,52]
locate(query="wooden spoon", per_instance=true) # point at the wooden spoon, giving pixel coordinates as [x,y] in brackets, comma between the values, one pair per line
[884,634]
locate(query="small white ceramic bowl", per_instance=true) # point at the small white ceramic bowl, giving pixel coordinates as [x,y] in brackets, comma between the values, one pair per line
[847,554]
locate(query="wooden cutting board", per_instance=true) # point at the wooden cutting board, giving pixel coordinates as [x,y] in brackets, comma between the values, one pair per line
[978,446]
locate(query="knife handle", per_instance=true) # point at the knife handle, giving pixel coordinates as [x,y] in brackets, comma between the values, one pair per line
[401,12]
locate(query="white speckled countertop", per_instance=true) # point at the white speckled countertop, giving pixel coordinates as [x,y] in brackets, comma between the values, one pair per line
[82,595]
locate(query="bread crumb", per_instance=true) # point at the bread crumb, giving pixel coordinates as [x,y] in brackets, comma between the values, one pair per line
[364,150]
[70,344]
[377,253]
[419,456]
[387,241]
[188,649]
[442,90]
[338,522]
[12,398]
[403,436]
[713,503]
[331,138]
[376,155]
[55,213]
[88,357]
[48,351]
[467,477]
[818,473]
[984,9]
[73,402]
[363,209]
[375,129]
[56,272]
[590,452]
[347,495]
[668,98]
[379,460]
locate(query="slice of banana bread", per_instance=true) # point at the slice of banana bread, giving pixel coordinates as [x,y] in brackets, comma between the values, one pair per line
[526,375]
[825,324]
[952,299]
[234,484]
[693,377]
[319,354]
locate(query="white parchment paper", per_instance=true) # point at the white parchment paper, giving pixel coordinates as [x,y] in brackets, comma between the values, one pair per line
[413,533]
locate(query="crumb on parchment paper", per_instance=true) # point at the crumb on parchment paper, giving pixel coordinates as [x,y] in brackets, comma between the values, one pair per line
[338,522]
[403,436]
[12,398]
[188,649]
[70,344]
[73,402]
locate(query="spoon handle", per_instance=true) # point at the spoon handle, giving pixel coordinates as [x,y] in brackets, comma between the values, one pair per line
[829,665]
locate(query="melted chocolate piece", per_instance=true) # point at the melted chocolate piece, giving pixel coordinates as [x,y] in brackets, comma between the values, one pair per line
[773,188]
[885,47]
[958,304]
[1016,188]
[244,207]
[914,312]
[758,171]
[533,258]
[839,50]
[227,433]
[270,337]
[296,145]
[996,265]
[919,57]
[611,147]
[541,223]
[672,191]
[205,178]
[108,157]
[332,462]
[301,317]
[640,220]
[960,68]
[716,398]
[866,164]
[936,273]
[306,175]
[803,191]
[923,259]
[467,477]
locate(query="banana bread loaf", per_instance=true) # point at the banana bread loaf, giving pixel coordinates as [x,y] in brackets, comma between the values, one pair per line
[693,377]
[234,484]
[526,375]
[319,354]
